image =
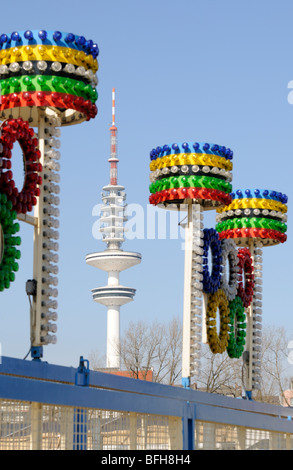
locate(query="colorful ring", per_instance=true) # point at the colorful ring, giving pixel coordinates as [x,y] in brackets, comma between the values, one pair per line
[58,69]
[190,181]
[260,194]
[237,327]
[229,284]
[14,130]
[48,83]
[191,147]
[48,53]
[254,203]
[53,99]
[265,235]
[206,197]
[252,222]
[218,342]
[211,281]
[9,254]
[245,289]
[63,39]
[191,159]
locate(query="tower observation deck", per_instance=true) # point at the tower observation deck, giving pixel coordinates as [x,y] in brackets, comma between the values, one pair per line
[113,259]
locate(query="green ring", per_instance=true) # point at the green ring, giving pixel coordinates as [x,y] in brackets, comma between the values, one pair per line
[251,222]
[48,83]
[236,343]
[8,263]
[191,181]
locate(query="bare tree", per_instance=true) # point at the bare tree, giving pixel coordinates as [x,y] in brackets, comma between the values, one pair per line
[219,373]
[153,346]
[275,369]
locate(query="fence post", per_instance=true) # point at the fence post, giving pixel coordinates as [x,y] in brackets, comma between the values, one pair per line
[37,426]
[188,427]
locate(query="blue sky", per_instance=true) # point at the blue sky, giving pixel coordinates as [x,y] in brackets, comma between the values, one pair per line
[190,70]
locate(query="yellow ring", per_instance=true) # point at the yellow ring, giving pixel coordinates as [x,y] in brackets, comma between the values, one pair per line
[191,159]
[254,203]
[218,342]
[49,53]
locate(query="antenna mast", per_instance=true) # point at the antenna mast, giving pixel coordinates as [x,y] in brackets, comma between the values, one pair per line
[113,159]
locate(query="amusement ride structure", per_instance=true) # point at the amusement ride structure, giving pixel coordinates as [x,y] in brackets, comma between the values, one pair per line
[223,266]
[48,80]
[113,260]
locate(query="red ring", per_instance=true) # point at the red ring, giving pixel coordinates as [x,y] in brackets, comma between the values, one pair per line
[254,233]
[49,98]
[18,130]
[245,292]
[190,193]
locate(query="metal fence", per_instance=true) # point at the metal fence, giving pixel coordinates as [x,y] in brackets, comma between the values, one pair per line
[50,407]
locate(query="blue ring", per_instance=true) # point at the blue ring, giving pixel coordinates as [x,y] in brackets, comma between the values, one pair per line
[259,194]
[211,282]
[191,147]
[49,38]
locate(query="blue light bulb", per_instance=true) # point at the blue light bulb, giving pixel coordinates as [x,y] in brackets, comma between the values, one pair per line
[257,192]
[28,35]
[15,36]
[158,149]
[70,37]
[185,145]
[57,36]
[175,147]
[95,50]
[206,146]
[89,44]
[238,192]
[43,35]
[166,148]
[266,192]
[247,192]
[80,41]
[4,38]
[215,148]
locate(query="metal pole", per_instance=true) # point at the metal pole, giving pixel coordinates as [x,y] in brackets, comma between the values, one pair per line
[187,298]
[37,265]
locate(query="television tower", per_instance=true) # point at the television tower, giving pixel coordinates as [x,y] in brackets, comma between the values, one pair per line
[113,259]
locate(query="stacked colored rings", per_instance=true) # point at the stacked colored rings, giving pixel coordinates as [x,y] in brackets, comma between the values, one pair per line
[8,242]
[257,214]
[22,199]
[51,69]
[197,171]
[230,294]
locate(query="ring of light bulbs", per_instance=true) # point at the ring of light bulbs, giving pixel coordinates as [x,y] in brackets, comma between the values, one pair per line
[22,199]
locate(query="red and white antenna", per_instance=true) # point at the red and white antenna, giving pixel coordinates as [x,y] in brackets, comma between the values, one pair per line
[113,132]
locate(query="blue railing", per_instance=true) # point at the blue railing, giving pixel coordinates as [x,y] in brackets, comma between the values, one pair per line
[80,387]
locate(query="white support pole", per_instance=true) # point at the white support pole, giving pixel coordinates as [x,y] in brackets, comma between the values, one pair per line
[187,298]
[37,267]
[193,298]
